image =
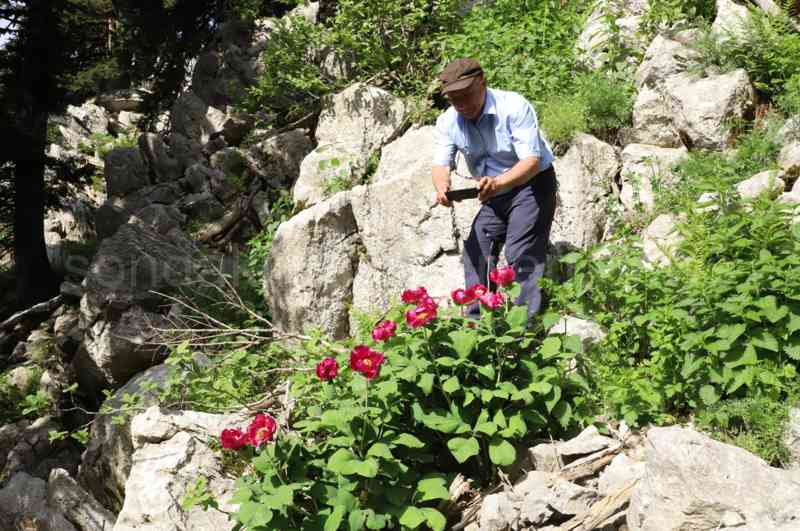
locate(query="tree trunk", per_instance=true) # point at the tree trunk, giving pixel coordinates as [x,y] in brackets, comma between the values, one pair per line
[36,280]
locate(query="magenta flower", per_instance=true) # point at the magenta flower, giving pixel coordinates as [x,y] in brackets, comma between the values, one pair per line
[502,276]
[233,439]
[476,291]
[492,300]
[261,430]
[384,330]
[421,315]
[461,296]
[327,369]
[413,296]
[366,361]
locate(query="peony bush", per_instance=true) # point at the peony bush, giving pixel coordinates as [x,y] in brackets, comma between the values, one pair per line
[379,430]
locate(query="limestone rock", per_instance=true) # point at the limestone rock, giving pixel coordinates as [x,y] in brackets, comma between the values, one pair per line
[694,482]
[23,506]
[309,274]
[594,40]
[125,171]
[619,473]
[767,182]
[661,239]
[587,442]
[653,119]
[78,506]
[545,494]
[589,331]
[163,165]
[171,453]
[642,167]
[123,100]
[585,174]
[195,119]
[498,513]
[280,156]
[791,437]
[731,20]
[789,158]
[703,107]
[327,168]
[664,57]
[90,117]
[66,229]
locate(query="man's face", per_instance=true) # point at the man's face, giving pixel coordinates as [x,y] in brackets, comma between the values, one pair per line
[469,101]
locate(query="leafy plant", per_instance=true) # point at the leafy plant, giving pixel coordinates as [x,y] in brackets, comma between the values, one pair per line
[789,100]
[676,15]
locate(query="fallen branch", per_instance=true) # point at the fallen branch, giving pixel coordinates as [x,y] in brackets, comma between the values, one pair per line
[42,307]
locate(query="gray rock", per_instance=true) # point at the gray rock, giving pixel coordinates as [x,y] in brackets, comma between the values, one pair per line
[309,274]
[619,473]
[587,442]
[790,131]
[171,453]
[195,119]
[328,167]
[164,166]
[129,100]
[791,437]
[202,207]
[236,127]
[585,174]
[789,158]
[731,20]
[660,240]
[125,171]
[545,457]
[90,117]
[498,513]
[185,150]
[702,108]
[664,57]
[766,182]
[67,228]
[708,202]
[694,482]
[653,119]
[589,331]
[78,506]
[23,506]
[545,494]
[642,167]
[595,39]
[280,156]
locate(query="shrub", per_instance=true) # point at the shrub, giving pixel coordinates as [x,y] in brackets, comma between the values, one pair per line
[378,444]
[676,15]
[562,117]
[789,101]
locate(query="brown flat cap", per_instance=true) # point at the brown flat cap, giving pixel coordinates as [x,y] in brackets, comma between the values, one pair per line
[460,74]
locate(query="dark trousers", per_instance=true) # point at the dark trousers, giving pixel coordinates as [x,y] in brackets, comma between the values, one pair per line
[519,219]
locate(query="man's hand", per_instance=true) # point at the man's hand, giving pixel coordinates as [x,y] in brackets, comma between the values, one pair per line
[442,199]
[488,188]
[441,183]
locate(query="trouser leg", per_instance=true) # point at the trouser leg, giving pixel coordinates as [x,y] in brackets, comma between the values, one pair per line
[529,221]
[487,227]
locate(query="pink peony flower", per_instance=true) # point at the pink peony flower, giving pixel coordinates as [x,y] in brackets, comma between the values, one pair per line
[476,291]
[502,276]
[261,430]
[427,302]
[420,316]
[492,300]
[384,330]
[327,369]
[366,361]
[233,439]
[413,296]
[462,296]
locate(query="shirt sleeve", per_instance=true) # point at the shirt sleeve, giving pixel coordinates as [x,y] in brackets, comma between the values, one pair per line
[444,150]
[525,135]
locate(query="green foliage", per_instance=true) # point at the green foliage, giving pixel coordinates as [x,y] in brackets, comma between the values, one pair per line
[260,245]
[524,46]
[676,15]
[768,48]
[755,424]
[452,396]
[17,403]
[101,144]
[562,117]
[789,100]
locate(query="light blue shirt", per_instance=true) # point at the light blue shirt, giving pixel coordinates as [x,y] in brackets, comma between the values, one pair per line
[506,132]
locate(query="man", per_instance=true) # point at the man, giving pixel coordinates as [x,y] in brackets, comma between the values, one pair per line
[498,133]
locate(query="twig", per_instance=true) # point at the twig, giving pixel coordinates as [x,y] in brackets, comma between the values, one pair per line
[43,307]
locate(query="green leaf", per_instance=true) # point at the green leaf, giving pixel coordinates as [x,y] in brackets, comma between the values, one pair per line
[426,383]
[434,488]
[340,460]
[487,371]
[551,347]
[552,399]
[367,468]
[380,450]
[517,317]
[487,427]
[462,448]
[563,413]
[766,340]
[570,258]
[376,521]
[501,452]
[333,521]
[408,440]
[549,319]
[794,321]
[516,426]
[463,342]
[356,520]
[771,310]
[451,385]
[708,394]
[412,517]
[541,388]
[741,356]
[436,520]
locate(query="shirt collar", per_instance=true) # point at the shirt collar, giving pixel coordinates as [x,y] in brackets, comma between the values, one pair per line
[489,104]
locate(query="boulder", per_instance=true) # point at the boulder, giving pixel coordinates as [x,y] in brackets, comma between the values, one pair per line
[24,507]
[498,513]
[308,277]
[545,495]
[791,435]
[327,169]
[766,182]
[621,471]
[588,331]
[195,119]
[642,167]
[664,57]
[594,41]
[78,506]
[789,158]
[91,118]
[653,119]
[116,211]
[171,452]
[162,164]
[280,156]
[702,108]
[660,240]
[125,171]
[790,130]
[693,482]
[731,20]
[585,174]
[185,150]
[67,227]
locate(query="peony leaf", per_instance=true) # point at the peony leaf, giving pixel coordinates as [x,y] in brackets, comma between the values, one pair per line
[412,517]
[708,394]
[436,520]
[333,521]
[462,449]
[409,441]
[356,520]
[501,452]
[426,383]
[551,347]
[451,385]
[434,488]
[463,342]
[380,450]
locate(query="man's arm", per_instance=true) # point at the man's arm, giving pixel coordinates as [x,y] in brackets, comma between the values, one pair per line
[441,181]
[518,174]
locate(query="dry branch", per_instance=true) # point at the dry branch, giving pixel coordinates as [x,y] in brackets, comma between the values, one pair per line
[602,510]
[42,307]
